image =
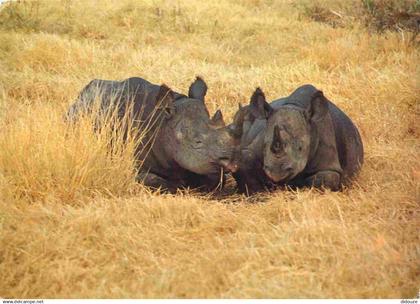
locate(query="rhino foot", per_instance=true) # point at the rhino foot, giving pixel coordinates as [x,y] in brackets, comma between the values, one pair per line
[156,182]
[324,179]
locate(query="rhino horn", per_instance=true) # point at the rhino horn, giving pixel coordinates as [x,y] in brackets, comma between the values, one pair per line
[217,120]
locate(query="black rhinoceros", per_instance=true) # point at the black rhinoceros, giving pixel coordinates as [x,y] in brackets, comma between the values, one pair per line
[301,140]
[181,146]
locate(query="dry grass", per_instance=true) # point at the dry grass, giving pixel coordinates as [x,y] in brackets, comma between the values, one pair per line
[378,15]
[74,224]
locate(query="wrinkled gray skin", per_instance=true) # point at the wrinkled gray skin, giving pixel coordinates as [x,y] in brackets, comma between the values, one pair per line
[182,146]
[302,140]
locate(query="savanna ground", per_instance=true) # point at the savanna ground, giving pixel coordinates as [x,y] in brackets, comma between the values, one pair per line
[73,223]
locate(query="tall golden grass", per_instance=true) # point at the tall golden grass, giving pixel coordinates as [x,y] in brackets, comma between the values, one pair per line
[73,223]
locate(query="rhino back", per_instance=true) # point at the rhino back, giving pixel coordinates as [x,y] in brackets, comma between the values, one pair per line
[117,95]
[136,94]
[349,142]
[276,104]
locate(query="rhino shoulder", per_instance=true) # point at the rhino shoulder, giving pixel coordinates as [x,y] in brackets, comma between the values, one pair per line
[349,142]
[302,96]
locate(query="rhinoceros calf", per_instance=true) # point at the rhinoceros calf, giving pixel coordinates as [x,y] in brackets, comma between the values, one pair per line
[301,140]
[180,145]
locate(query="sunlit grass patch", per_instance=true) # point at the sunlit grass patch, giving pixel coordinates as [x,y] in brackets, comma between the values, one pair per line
[44,155]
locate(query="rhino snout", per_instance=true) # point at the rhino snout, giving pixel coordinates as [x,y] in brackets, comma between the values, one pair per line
[228,164]
[278,177]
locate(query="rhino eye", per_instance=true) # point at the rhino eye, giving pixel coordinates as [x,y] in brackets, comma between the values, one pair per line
[198,143]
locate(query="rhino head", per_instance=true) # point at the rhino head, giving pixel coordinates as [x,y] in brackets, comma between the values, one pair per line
[191,138]
[290,131]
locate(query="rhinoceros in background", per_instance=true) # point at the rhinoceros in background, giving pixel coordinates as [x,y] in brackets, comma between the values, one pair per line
[301,140]
[180,145]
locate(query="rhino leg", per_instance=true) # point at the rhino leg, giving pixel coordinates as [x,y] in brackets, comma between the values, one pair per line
[155,182]
[250,182]
[324,179]
[205,182]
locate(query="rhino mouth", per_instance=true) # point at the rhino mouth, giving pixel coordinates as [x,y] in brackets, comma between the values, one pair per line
[228,165]
[278,178]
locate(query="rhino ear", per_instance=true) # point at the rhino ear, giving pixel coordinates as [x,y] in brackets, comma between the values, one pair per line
[319,107]
[165,101]
[198,89]
[217,120]
[259,106]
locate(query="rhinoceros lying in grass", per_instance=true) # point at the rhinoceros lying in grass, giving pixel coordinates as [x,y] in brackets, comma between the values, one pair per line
[301,140]
[180,146]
